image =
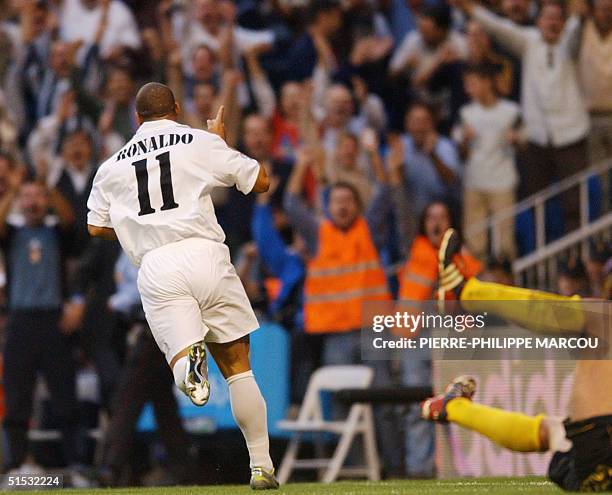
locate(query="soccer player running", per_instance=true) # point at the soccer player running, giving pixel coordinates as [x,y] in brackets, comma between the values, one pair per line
[583,442]
[153,195]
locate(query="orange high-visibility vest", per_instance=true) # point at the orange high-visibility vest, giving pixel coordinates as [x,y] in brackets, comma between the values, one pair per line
[345,272]
[419,275]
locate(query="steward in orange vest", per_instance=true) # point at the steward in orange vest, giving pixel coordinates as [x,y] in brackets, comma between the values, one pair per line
[345,268]
[419,276]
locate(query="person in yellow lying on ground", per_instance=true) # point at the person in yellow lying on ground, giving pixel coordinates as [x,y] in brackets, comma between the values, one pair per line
[583,442]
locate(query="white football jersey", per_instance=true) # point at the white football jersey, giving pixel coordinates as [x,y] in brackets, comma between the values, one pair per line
[156,189]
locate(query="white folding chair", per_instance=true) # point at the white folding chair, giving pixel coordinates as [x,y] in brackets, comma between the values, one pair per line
[360,420]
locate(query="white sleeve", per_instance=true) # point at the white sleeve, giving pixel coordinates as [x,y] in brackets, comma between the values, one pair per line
[98,203]
[229,167]
[246,38]
[381,26]
[127,30]
[505,31]
[404,52]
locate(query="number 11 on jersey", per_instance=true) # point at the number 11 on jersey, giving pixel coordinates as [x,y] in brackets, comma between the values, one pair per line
[165,179]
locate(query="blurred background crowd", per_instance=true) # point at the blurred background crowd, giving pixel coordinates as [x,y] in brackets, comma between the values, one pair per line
[393,119]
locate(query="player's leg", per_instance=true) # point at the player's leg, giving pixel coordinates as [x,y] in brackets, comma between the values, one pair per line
[512,430]
[532,309]
[190,370]
[248,407]
[228,314]
[175,320]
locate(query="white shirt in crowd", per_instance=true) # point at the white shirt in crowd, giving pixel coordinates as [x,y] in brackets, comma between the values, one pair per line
[80,23]
[490,164]
[193,34]
[414,49]
[552,105]
[156,189]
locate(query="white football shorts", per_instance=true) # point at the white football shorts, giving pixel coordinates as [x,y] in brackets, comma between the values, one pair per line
[190,292]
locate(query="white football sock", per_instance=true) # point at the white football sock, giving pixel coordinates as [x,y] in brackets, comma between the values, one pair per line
[249,409]
[180,371]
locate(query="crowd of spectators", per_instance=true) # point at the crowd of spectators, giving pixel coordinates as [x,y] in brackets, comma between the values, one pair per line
[381,124]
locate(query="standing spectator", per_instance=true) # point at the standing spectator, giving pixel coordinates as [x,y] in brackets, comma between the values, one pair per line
[418,280]
[46,141]
[345,165]
[72,173]
[118,115]
[80,20]
[433,44]
[205,70]
[595,69]
[324,21]
[343,271]
[200,96]
[232,207]
[287,121]
[28,30]
[43,81]
[208,22]
[519,12]
[432,55]
[35,337]
[487,133]
[430,161]
[481,52]
[556,121]
[370,40]
[334,111]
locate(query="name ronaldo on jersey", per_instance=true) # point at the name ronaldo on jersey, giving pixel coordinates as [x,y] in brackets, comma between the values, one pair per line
[153,143]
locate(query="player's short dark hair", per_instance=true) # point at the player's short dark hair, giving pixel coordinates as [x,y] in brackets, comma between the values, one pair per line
[350,187]
[154,101]
[440,15]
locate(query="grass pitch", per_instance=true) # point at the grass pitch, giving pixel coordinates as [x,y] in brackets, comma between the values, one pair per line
[467,486]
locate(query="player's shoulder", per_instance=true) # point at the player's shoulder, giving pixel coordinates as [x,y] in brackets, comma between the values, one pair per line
[114,159]
[204,139]
[106,165]
[202,134]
